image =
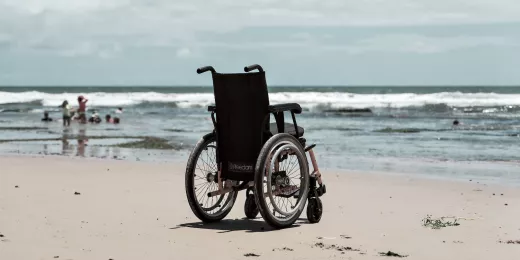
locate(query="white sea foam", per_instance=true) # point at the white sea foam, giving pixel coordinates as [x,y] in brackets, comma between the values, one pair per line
[306,99]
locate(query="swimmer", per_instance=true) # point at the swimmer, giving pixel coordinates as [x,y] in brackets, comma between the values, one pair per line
[46,117]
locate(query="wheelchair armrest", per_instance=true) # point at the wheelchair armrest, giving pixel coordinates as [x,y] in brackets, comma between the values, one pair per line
[212,108]
[293,107]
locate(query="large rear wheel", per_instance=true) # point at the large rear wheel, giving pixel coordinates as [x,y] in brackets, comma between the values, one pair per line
[281,180]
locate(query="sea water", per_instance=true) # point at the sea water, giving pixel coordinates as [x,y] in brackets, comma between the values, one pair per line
[385,129]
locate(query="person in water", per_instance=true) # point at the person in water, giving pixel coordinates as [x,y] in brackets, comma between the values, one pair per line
[46,117]
[109,119]
[82,101]
[114,120]
[94,118]
[66,109]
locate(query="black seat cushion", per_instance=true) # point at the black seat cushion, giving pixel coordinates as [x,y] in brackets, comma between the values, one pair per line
[289,129]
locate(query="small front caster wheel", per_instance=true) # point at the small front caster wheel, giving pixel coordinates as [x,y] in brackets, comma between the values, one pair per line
[314,210]
[250,207]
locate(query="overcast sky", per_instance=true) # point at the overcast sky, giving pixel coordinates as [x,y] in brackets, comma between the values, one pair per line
[298,42]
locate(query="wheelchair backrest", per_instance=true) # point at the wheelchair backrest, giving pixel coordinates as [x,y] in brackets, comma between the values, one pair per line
[242,107]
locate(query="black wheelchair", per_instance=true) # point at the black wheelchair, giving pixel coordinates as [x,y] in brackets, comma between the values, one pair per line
[247,152]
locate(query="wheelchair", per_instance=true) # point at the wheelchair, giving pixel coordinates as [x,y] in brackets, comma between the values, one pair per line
[247,152]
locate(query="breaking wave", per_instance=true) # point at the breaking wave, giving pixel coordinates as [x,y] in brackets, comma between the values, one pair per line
[435,102]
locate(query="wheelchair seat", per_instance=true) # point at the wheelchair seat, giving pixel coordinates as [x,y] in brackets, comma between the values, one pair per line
[289,129]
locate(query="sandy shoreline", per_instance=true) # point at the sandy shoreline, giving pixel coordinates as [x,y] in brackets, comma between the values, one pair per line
[138,210]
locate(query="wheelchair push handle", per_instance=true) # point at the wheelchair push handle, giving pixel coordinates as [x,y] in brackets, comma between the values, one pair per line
[206,68]
[253,67]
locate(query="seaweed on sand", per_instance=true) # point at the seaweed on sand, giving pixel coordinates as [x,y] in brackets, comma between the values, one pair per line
[438,223]
[148,143]
[21,128]
[390,253]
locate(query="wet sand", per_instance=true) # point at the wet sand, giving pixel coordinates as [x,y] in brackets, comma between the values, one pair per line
[54,207]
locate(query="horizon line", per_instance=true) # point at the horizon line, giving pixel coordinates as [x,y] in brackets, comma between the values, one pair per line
[210,86]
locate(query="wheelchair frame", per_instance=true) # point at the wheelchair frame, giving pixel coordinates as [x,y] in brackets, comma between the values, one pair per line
[315,186]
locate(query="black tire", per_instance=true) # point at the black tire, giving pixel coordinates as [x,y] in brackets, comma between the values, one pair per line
[225,201]
[250,208]
[273,145]
[314,210]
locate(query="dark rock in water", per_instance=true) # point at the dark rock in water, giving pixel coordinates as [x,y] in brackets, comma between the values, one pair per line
[400,130]
[349,110]
[22,128]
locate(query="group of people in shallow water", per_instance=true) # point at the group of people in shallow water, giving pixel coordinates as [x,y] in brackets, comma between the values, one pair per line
[79,114]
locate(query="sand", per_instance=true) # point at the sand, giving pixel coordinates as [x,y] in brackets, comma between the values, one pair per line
[138,210]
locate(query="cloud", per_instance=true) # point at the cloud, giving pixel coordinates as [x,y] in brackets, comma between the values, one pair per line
[91,49]
[183,52]
[94,27]
[412,43]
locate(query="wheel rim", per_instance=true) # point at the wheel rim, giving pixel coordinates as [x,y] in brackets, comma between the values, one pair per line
[293,165]
[205,172]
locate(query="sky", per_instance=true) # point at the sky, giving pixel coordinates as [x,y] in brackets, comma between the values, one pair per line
[297,42]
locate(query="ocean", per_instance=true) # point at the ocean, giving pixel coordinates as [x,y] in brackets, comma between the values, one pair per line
[404,130]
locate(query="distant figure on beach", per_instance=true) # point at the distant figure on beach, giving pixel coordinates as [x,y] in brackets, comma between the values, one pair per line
[66,109]
[82,108]
[46,117]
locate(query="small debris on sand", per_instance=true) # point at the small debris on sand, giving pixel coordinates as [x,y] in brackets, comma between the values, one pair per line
[335,247]
[390,253]
[1,235]
[326,238]
[251,254]
[505,204]
[283,249]
[345,237]
[16,186]
[77,193]
[511,242]
[56,256]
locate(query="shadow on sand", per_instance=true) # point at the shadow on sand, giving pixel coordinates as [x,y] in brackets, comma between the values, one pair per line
[229,225]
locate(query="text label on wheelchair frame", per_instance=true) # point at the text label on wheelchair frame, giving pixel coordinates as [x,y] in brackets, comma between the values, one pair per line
[239,167]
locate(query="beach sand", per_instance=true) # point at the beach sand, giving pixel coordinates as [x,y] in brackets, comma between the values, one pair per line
[138,210]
